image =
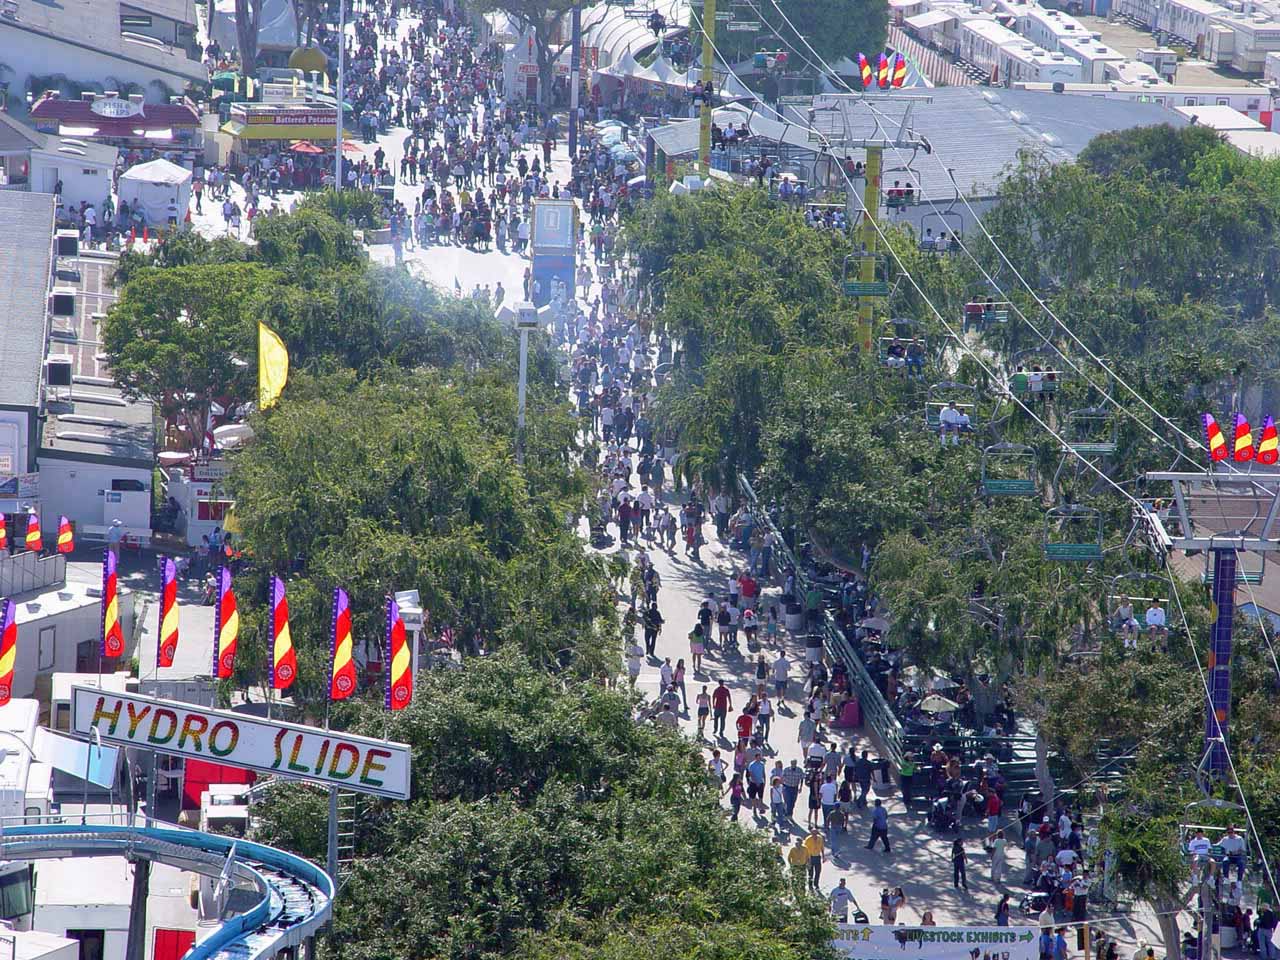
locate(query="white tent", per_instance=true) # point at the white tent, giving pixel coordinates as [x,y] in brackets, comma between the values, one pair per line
[277,29]
[153,185]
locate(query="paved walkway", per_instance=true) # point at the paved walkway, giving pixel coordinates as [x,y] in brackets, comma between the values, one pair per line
[920,861]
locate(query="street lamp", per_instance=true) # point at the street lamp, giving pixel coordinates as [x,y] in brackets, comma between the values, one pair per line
[526,319]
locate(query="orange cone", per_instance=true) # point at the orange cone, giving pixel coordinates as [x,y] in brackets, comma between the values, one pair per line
[133,235]
[144,234]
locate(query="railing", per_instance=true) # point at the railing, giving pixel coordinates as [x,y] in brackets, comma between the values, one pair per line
[871,701]
[274,873]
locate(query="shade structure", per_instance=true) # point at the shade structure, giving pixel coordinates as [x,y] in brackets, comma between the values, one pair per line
[938,704]
[152,186]
[307,147]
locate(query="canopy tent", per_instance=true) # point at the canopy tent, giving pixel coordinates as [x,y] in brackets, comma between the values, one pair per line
[153,186]
[278,27]
[661,71]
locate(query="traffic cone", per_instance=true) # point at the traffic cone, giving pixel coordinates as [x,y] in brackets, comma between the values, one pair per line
[133,235]
[144,234]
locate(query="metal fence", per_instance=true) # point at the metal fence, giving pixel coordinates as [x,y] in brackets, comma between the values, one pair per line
[875,709]
[27,572]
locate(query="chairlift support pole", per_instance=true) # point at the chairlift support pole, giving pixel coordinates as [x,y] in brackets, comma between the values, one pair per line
[840,134]
[1222,514]
[707,79]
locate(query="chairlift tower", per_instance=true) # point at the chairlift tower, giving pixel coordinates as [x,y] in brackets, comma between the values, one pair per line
[837,121]
[1226,511]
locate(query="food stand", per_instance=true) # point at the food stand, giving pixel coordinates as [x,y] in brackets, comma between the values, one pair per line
[258,130]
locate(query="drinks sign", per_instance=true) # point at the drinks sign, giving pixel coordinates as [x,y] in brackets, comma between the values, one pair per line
[268,746]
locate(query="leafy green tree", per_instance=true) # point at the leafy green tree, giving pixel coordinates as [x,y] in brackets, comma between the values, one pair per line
[409,481]
[183,335]
[546,822]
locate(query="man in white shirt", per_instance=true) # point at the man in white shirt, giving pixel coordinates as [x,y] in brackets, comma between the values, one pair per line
[841,898]
[949,420]
[1156,624]
[781,676]
[1233,848]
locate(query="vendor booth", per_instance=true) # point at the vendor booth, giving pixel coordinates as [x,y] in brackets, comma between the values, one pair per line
[259,130]
[152,186]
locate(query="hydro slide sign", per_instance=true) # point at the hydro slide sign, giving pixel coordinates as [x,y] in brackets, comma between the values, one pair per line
[874,942]
[270,746]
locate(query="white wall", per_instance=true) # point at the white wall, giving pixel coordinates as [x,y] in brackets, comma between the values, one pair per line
[112,919]
[13,445]
[81,178]
[78,489]
[28,55]
[50,637]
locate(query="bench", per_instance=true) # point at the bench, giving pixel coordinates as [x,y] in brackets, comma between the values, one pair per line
[131,538]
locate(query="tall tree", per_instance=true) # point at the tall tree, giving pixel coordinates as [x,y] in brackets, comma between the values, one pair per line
[248,23]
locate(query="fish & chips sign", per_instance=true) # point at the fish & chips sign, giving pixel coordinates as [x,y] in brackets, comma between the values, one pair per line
[181,729]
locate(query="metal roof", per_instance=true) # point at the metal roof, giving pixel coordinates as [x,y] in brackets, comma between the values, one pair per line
[681,137]
[26,265]
[978,132]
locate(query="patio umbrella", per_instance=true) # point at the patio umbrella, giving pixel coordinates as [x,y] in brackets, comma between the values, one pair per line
[937,704]
[305,146]
[350,146]
[878,624]
[225,80]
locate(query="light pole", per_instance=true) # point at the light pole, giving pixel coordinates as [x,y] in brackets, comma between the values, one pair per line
[342,57]
[84,797]
[575,65]
[526,320]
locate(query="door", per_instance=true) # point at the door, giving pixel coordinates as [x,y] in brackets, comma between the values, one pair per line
[531,88]
[48,179]
[92,943]
[173,944]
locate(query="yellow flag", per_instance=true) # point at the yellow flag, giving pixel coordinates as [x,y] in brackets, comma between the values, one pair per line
[273,366]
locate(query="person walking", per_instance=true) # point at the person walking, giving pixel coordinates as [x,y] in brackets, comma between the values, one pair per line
[677,681]
[958,858]
[816,847]
[697,646]
[777,803]
[735,793]
[703,702]
[798,858]
[721,704]
[1002,911]
[879,826]
[998,845]
[841,898]
[653,622]
[792,779]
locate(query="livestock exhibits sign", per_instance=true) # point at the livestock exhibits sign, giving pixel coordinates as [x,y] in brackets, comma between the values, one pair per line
[270,746]
[874,942]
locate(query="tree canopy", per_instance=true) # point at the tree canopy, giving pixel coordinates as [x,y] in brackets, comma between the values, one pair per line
[546,823]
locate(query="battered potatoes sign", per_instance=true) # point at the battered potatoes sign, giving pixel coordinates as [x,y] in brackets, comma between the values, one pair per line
[306,753]
[868,942]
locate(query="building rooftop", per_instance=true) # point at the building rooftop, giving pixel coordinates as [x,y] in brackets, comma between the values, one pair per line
[1219,118]
[17,136]
[93,420]
[95,25]
[26,266]
[179,11]
[56,114]
[980,131]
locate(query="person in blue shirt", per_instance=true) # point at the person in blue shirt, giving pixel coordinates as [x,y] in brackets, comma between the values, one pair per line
[1060,944]
[879,826]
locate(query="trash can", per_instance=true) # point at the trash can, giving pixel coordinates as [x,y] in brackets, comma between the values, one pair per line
[794,617]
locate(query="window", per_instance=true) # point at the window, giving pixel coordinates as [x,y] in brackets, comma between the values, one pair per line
[62,717]
[92,943]
[89,173]
[212,509]
[15,894]
[45,645]
[128,20]
[1189,101]
[1224,102]
[128,485]
[32,814]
